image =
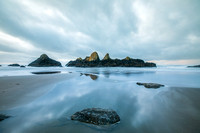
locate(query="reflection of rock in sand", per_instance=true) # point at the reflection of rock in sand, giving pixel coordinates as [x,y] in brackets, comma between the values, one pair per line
[93,77]
[106,74]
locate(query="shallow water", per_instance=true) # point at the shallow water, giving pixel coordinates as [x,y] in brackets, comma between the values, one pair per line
[174,108]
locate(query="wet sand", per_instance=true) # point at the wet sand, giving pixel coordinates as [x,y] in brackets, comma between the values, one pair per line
[45,103]
[19,90]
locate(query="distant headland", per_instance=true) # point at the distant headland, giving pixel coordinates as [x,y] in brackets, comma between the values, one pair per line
[94,61]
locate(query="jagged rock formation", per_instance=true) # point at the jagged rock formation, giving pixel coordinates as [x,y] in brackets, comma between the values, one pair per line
[14,65]
[94,61]
[94,57]
[96,116]
[195,66]
[44,61]
[150,85]
[107,57]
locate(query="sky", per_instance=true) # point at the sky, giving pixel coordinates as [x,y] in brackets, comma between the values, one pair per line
[166,32]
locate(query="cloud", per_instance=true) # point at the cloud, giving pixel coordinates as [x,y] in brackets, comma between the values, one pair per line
[146,29]
[15,43]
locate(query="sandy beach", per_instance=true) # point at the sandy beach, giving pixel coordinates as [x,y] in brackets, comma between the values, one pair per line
[45,103]
[19,90]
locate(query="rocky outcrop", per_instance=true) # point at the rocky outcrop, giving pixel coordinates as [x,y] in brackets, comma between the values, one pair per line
[22,66]
[127,58]
[96,116]
[14,65]
[45,61]
[79,59]
[150,85]
[107,57]
[195,66]
[94,57]
[94,61]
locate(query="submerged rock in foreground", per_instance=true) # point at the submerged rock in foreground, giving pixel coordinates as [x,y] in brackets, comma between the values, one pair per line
[150,85]
[96,116]
[94,61]
[45,61]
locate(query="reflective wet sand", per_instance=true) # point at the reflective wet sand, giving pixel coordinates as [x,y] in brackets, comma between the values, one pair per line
[170,109]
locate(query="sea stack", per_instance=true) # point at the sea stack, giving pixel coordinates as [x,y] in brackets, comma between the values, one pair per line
[45,61]
[94,61]
[94,57]
[107,57]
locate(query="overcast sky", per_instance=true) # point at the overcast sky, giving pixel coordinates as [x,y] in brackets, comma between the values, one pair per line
[164,31]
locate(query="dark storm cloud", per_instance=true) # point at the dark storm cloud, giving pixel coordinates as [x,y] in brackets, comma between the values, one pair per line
[147,29]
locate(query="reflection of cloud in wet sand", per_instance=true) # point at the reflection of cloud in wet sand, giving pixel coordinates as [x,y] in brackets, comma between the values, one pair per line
[125,73]
[166,110]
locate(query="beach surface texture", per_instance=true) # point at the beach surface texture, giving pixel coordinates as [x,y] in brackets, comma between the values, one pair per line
[92,100]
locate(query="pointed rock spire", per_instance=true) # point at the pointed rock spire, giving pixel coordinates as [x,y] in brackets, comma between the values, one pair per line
[94,57]
[127,58]
[44,56]
[107,57]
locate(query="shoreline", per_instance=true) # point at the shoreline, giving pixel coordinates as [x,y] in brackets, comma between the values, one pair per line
[19,90]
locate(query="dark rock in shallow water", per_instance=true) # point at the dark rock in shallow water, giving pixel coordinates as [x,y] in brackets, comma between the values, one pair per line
[96,116]
[45,61]
[14,65]
[150,85]
[195,66]
[49,72]
[94,61]
[22,66]
[3,117]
